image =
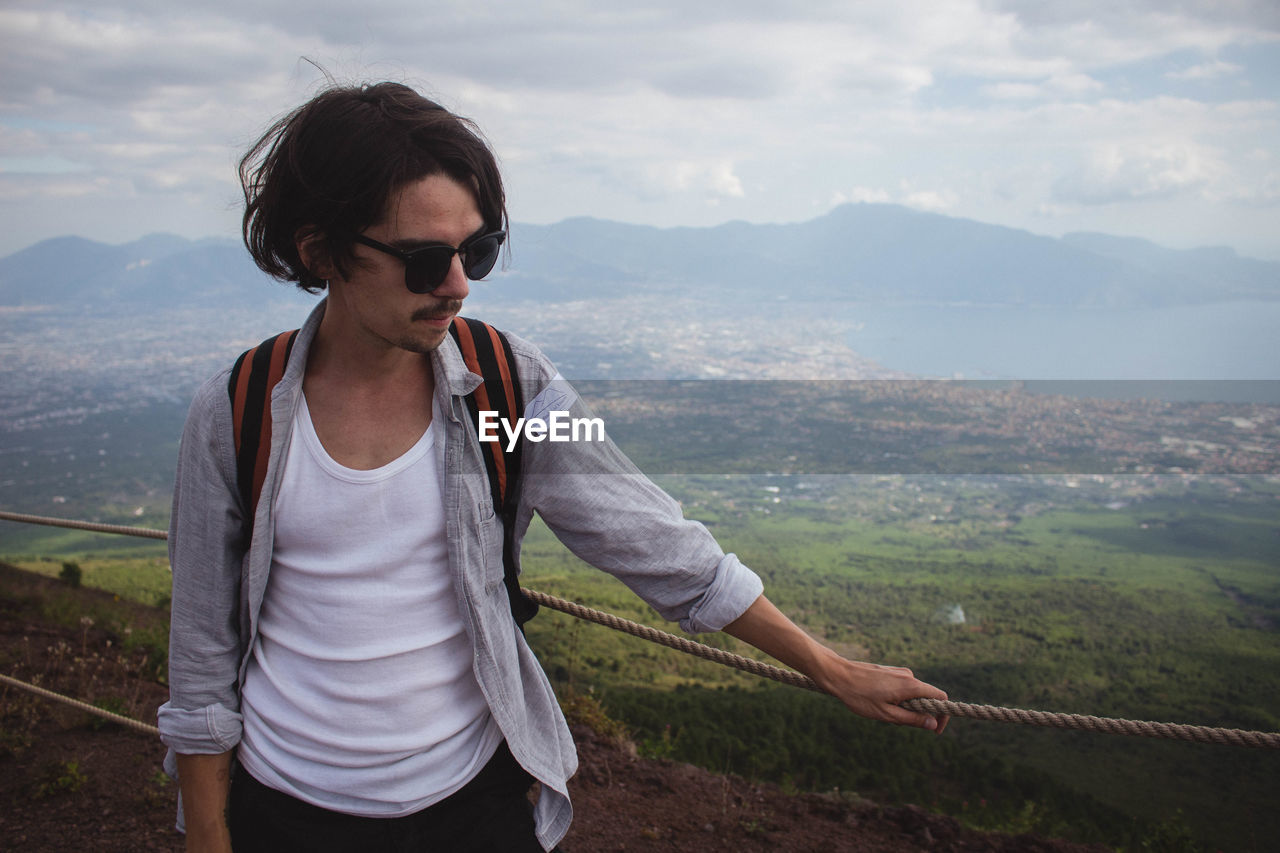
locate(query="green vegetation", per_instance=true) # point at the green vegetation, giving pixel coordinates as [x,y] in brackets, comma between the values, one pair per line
[1153,598]
[63,778]
[142,638]
[71,574]
[144,579]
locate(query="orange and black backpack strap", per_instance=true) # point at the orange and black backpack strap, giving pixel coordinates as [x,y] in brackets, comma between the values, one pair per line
[254,375]
[487,354]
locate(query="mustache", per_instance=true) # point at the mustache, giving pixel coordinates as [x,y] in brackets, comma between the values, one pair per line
[445,308]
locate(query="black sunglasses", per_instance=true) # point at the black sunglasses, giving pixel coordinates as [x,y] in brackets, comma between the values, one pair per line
[426,267]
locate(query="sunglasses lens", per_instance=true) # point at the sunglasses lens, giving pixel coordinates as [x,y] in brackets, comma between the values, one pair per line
[481,256]
[428,269]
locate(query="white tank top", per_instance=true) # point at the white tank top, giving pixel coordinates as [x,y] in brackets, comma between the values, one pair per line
[360,696]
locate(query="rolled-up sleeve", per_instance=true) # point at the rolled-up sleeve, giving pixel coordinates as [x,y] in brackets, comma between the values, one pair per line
[613,517]
[206,550]
[203,731]
[733,589]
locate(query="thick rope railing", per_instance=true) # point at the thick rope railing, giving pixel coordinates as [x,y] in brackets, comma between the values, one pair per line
[671,641]
[1108,725]
[145,532]
[127,722]
[1140,728]
[1082,722]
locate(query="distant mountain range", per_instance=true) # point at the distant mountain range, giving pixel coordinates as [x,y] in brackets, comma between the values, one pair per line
[157,271]
[875,253]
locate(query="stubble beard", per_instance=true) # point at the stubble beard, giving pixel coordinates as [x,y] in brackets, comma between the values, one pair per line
[416,342]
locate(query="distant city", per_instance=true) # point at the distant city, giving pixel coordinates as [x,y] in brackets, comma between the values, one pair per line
[864,293]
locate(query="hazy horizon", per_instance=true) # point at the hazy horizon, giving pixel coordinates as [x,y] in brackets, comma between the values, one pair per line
[515,224]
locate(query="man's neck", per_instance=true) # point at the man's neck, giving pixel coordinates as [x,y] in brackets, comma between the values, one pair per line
[364,364]
[369,403]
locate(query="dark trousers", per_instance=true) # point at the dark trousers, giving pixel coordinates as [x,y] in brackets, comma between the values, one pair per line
[490,814]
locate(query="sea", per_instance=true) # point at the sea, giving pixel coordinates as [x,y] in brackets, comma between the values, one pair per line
[1228,351]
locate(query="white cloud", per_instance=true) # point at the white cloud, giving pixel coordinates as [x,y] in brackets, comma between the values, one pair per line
[1206,71]
[934,201]
[666,112]
[1057,86]
[1260,189]
[1093,33]
[714,180]
[722,182]
[857,195]
[1014,91]
[48,164]
[22,142]
[1074,84]
[1140,170]
[26,188]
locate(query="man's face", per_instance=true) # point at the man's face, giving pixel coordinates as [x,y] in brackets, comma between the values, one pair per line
[374,303]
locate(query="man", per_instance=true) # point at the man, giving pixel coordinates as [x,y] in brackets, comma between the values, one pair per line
[351,645]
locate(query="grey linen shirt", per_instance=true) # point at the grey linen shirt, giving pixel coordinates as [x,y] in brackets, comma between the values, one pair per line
[588,492]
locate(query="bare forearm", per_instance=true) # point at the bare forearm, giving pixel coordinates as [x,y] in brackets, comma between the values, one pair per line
[867,689]
[770,631]
[205,781]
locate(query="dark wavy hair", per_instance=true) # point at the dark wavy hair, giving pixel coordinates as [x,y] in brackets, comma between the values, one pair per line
[328,170]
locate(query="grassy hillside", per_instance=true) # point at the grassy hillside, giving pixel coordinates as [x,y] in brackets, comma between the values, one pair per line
[1162,606]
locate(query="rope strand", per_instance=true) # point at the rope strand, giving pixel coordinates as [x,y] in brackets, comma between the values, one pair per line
[1109,725]
[127,722]
[145,532]
[1140,728]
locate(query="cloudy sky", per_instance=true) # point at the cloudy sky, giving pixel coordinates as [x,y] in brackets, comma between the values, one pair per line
[1155,118]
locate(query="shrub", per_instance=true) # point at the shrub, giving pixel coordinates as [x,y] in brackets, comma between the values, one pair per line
[71,574]
[65,777]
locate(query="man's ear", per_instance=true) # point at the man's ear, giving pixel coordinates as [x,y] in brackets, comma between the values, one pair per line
[313,249]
